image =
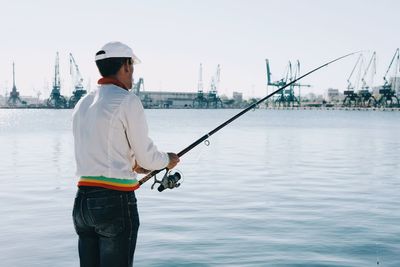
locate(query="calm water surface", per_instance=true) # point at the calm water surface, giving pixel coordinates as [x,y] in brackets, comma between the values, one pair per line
[275,188]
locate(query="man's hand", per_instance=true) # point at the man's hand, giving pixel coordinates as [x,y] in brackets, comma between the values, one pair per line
[139,169]
[173,160]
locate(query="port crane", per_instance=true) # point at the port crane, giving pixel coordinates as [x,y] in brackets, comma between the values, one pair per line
[213,99]
[286,97]
[281,99]
[290,97]
[365,95]
[79,90]
[200,101]
[14,98]
[388,96]
[56,100]
[352,98]
[137,88]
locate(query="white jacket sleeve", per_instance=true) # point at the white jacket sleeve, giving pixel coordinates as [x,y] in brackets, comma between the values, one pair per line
[144,150]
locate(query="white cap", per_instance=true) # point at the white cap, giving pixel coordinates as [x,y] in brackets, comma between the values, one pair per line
[117,49]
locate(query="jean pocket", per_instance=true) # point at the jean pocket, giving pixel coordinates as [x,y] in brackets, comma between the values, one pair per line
[76,216]
[107,214]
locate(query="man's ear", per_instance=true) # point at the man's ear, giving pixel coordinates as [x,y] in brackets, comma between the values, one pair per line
[126,67]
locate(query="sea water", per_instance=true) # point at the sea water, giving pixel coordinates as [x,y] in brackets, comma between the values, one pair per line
[273,188]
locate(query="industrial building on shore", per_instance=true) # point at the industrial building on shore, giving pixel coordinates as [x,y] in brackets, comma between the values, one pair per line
[158,99]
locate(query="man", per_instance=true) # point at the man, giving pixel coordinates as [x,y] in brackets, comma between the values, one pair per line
[111,147]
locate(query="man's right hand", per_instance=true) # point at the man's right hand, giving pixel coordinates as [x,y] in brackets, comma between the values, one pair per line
[173,160]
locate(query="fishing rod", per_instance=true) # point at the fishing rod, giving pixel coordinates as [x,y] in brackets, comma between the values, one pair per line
[172,180]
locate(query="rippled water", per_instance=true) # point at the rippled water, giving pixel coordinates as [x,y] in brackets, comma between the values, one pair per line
[275,188]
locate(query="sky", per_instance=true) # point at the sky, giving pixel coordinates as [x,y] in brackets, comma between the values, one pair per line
[173,37]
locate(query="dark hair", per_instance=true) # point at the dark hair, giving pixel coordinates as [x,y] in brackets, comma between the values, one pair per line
[110,66]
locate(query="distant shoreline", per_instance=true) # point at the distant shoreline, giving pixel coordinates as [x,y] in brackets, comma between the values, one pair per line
[334,108]
[268,108]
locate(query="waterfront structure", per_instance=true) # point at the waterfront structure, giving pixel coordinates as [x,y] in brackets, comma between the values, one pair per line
[395,82]
[286,97]
[138,87]
[79,90]
[3,100]
[211,99]
[159,99]
[388,95]
[333,95]
[352,99]
[14,99]
[367,99]
[237,97]
[56,100]
[200,101]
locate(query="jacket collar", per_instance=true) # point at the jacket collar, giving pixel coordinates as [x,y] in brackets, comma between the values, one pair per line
[109,80]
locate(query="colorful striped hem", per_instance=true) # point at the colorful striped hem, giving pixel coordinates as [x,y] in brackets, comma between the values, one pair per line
[109,183]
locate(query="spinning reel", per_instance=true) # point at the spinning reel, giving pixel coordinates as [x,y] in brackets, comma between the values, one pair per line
[170,180]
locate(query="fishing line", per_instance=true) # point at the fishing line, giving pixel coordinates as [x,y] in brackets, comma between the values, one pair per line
[171,180]
[201,150]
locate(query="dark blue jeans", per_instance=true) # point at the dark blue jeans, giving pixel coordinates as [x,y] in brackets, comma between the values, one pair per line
[107,223]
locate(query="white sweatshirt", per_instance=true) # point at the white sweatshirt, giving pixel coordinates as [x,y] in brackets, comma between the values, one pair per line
[110,133]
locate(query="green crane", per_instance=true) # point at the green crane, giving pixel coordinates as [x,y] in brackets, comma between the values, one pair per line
[365,95]
[286,97]
[137,86]
[200,101]
[388,96]
[79,90]
[291,98]
[138,89]
[352,98]
[14,98]
[56,100]
[213,100]
[281,98]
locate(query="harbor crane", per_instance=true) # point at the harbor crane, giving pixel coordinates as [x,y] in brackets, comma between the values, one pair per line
[213,99]
[56,100]
[286,97]
[290,97]
[14,98]
[352,98]
[365,95]
[79,90]
[200,101]
[388,96]
[280,83]
[137,88]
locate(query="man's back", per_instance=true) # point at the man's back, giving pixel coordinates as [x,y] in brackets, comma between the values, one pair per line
[101,147]
[107,125]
